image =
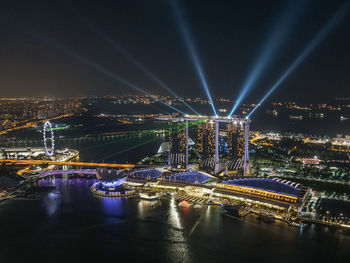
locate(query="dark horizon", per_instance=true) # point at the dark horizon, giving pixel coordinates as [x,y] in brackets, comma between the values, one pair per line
[41,37]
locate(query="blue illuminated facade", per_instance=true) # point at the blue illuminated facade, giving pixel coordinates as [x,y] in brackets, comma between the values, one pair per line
[147,174]
[189,177]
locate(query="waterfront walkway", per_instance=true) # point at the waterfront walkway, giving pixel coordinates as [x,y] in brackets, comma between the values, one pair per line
[191,199]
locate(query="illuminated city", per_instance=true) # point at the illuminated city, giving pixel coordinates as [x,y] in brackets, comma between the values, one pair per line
[175,132]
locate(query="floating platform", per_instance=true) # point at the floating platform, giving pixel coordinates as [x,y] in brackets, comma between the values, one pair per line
[101,189]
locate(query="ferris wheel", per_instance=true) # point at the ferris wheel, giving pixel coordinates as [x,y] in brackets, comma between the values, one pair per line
[48,129]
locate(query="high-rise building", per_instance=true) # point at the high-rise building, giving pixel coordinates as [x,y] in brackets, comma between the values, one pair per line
[206,144]
[177,143]
[235,140]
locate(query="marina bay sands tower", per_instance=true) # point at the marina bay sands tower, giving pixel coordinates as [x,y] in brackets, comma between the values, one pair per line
[177,143]
[208,132]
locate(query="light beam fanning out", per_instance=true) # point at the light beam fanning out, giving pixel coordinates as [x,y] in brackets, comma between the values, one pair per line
[269,50]
[342,11]
[192,51]
[134,61]
[100,69]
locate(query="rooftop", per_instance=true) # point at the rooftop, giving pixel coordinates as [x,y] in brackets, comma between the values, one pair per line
[152,173]
[190,177]
[267,184]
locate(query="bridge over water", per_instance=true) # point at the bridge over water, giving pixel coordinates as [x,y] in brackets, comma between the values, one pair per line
[63,172]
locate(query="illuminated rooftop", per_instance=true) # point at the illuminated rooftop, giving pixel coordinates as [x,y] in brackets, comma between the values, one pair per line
[267,184]
[190,177]
[152,173]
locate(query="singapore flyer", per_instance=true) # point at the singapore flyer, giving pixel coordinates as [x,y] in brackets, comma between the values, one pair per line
[48,127]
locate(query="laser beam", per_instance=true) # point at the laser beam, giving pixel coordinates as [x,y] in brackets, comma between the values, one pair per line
[134,61]
[192,51]
[180,127]
[269,50]
[338,16]
[99,68]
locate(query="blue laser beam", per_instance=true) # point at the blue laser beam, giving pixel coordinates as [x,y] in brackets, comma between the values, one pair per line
[99,68]
[144,69]
[192,51]
[339,15]
[134,61]
[269,50]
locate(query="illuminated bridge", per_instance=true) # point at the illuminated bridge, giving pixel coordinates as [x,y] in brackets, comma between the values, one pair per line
[71,171]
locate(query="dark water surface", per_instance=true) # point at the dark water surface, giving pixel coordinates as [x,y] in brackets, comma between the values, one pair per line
[70,224]
[330,125]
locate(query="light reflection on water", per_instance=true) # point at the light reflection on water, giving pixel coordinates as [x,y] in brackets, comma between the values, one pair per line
[51,203]
[174,218]
[178,247]
[146,208]
[112,205]
[135,229]
[53,199]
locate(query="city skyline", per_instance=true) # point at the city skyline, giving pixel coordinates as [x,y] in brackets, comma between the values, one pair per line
[175,131]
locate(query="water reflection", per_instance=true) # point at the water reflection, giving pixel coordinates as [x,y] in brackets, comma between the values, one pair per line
[178,247]
[51,203]
[53,199]
[174,218]
[112,206]
[133,228]
[145,207]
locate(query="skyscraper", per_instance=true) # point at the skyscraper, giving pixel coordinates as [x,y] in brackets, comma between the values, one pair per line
[235,140]
[206,144]
[177,143]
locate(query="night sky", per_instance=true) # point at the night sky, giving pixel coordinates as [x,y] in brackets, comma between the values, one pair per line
[229,37]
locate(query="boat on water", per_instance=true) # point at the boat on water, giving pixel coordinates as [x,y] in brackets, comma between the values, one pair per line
[232,210]
[267,218]
[149,196]
[299,225]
